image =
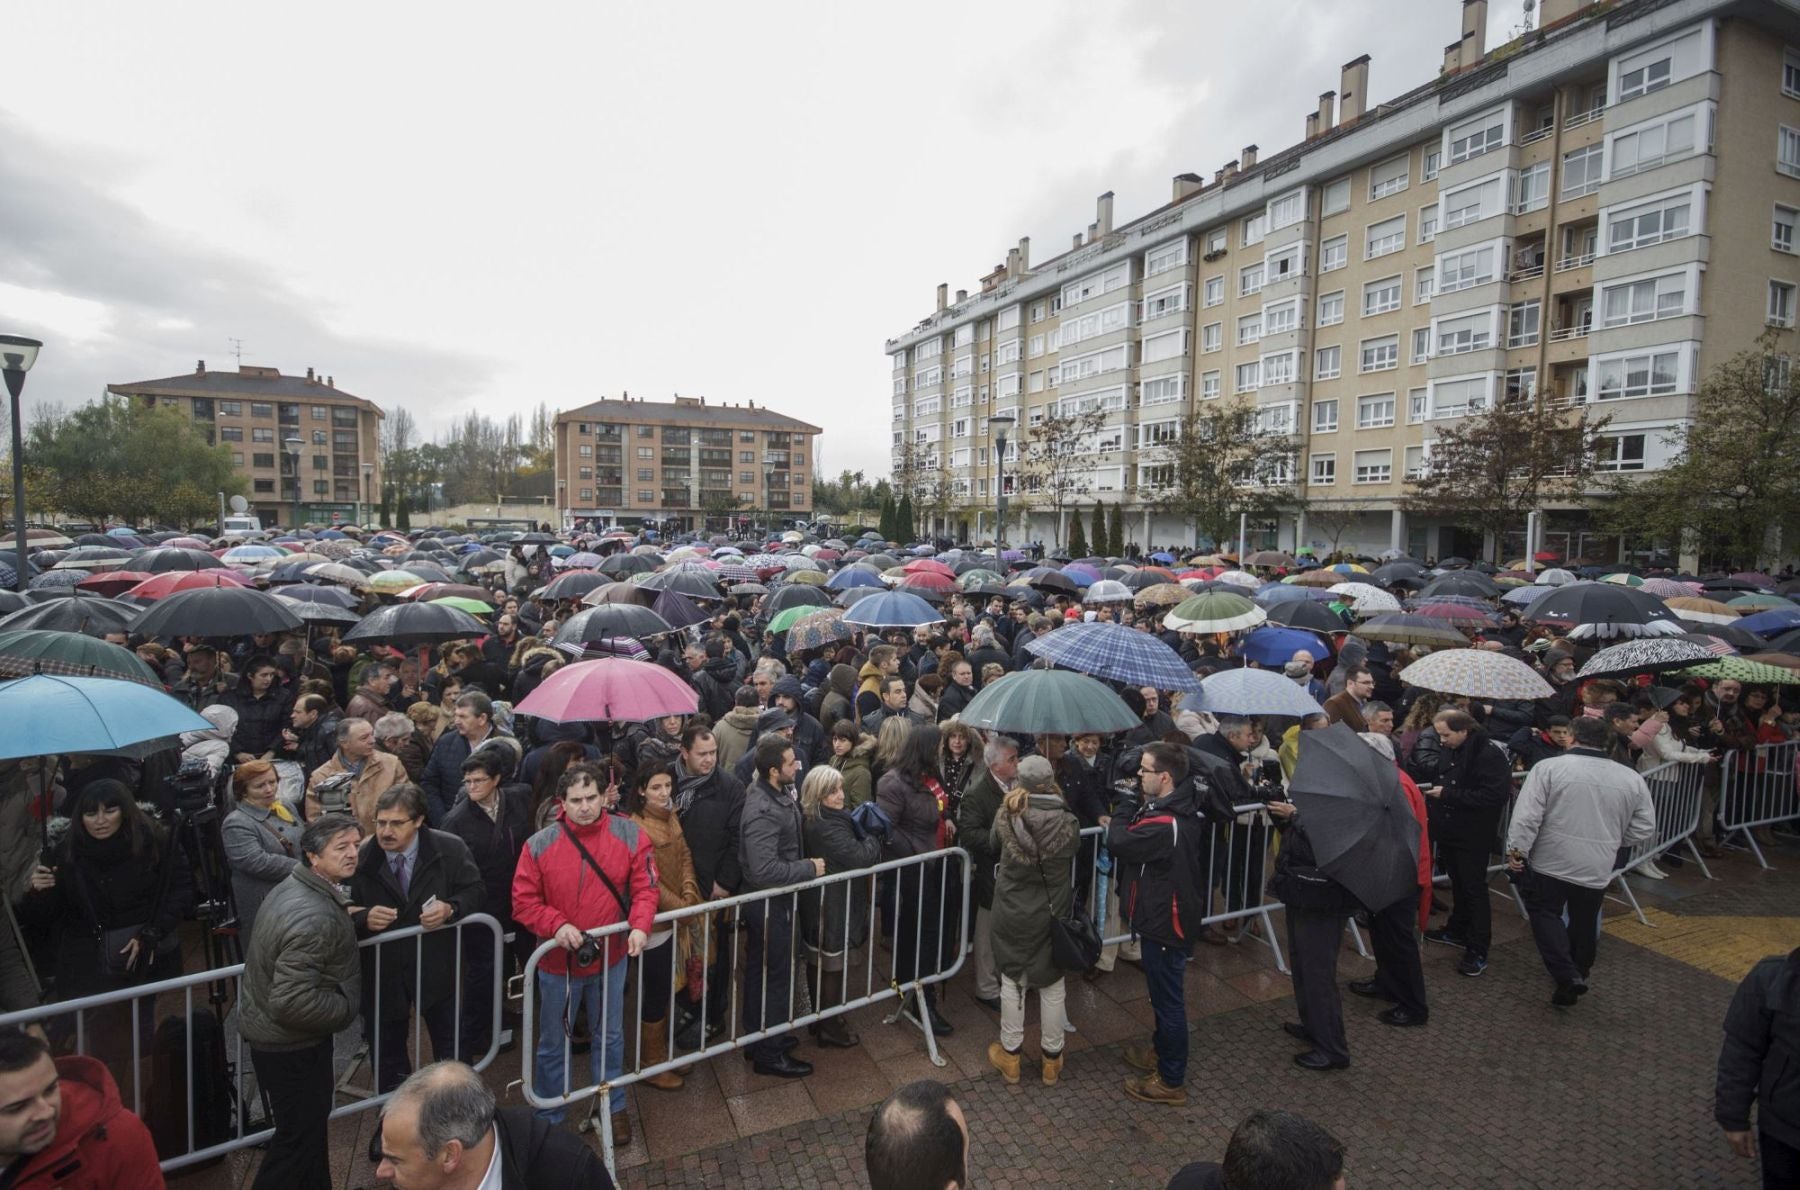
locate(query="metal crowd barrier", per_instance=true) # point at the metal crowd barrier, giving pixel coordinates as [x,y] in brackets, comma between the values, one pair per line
[864,986]
[139,1003]
[1238,868]
[1677,791]
[1758,790]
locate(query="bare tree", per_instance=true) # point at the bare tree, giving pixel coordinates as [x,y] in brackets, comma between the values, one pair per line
[1224,462]
[1058,461]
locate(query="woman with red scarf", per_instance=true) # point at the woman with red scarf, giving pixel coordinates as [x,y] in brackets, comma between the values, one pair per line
[912,795]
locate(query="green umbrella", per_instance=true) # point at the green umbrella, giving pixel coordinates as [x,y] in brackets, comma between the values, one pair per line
[785,618]
[1048,702]
[1214,611]
[1760,600]
[28,651]
[1743,669]
[473,606]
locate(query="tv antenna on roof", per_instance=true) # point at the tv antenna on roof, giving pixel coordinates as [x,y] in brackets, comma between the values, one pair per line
[237,349]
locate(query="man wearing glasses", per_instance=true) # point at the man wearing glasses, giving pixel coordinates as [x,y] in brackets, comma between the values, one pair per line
[1157,847]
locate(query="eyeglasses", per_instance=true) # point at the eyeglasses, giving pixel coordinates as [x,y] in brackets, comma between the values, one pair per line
[1144,772]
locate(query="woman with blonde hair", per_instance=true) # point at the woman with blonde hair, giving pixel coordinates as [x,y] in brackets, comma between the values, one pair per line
[1035,836]
[890,740]
[834,920]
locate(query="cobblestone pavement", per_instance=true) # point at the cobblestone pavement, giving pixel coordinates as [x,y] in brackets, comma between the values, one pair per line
[1500,1090]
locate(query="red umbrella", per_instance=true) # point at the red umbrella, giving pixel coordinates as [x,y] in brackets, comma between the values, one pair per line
[1546,556]
[1455,613]
[927,580]
[112,582]
[609,690]
[928,566]
[157,586]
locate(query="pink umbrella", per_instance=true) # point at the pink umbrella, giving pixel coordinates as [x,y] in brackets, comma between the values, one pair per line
[929,566]
[611,689]
[1456,613]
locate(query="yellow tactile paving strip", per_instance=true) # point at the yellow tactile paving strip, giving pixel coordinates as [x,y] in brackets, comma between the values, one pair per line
[1725,946]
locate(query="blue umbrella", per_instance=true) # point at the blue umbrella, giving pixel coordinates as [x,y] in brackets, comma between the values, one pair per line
[1255,692]
[892,609]
[1772,622]
[47,715]
[1274,646]
[1116,652]
[1163,558]
[853,576]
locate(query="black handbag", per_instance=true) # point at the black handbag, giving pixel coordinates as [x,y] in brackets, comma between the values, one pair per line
[1074,940]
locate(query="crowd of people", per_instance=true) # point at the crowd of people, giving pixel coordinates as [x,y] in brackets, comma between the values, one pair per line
[367,790]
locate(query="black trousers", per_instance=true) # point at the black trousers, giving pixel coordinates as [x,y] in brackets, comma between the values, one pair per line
[1471,918]
[1567,950]
[1313,941]
[392,1064]
[918,925]
[768,970]
[1398,971]
[299,1085]
[1780,1163]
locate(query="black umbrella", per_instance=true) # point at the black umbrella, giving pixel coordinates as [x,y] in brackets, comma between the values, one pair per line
[611,619]
[1604,610]
[321,613]
[10,602]
[411,625]
[1392,572]
[679,610]
[692,583]
[850,595]
[216,612]
[575,584]
[798,595]
[92,616]
[1461,582]
[160,561]
[1304,613]
[1361,828]
[534,539]
[1787,642]
[621,593]
[1055,581]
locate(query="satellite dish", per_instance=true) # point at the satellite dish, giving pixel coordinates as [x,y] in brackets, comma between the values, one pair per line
[239,504]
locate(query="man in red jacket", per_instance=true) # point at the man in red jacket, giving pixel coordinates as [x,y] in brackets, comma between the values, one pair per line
[62,1125]
[586,870]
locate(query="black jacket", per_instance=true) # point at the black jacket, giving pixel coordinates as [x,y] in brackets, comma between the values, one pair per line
[1300,884]
[710,822]
[260,720]
[1760,1059]
[1531,745]
[443,868]
[105,887]
[1477,782]
[1158,846]
[952,700]
[1087,789]
[537,1155]
[833,837]
[494,844]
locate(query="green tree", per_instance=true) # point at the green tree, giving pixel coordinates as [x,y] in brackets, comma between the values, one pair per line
[1078,546]
[118,459]
[885,526]
[905,531]
[1732,487]
[1115,536]
[1223,462]
[1097,534]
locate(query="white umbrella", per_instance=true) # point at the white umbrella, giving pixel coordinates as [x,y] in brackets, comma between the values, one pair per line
[1366,599]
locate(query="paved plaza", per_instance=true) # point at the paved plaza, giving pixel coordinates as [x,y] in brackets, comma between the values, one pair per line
[1501,1090]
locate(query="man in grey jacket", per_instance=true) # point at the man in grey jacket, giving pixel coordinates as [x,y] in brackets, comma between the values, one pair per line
[1573,815]
[302,984]
[770,851]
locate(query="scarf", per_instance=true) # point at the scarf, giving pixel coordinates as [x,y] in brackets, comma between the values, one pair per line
[280,810]
[943,805]
[686,785]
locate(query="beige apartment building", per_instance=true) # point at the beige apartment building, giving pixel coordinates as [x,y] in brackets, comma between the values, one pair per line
[283,429]
[1592,216]
[683,465]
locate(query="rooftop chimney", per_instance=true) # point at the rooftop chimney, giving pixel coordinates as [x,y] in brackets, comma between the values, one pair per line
[199,367]
[309,376]
[1077,240]
[1353,90]
[1012,262]
[1453,58]
[1183,185]
[1474,31]
[1249,157]
[1103,213]
[943,295]
[1312,125]
[1093,232]
[1552,12]
[962,295]
[1326,120]
[331,382]
[1231,169]
[1024,254]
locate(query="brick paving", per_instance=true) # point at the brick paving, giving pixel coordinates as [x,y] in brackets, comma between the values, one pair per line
[1501,1090]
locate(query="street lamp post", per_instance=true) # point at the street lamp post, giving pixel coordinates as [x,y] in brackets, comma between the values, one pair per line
[293,445]
[18,353]
[368,470]
[998,428]
[769,499]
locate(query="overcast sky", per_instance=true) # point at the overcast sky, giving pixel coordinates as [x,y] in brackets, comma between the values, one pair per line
[449,206]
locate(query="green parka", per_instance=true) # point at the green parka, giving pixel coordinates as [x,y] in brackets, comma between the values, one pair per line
[1037,853]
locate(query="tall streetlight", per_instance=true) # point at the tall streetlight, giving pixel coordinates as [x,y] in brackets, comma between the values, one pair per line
[368,470]
[998,428]
[17,354]
[293,445]
[769,499]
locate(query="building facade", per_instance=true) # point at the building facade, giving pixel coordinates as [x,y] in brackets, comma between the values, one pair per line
[1590,217]
[683,465]
[283,430]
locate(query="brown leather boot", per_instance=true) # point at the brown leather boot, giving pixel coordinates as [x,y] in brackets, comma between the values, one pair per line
[656,1049]
[1052,1067]
[621,1125]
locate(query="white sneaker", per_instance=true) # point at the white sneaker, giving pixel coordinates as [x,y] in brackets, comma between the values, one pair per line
[1649,870]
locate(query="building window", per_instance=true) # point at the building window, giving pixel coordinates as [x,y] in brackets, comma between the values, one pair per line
[1334,253]
[1325,417]
[1523,324]
[1331,308]
[1328,363]
[1644,301]
[1787,152]
[1416,402]
[1641,80]
[1464,270]
[262,460]
[646,452]
[1421,344]
[231,409]
[1281,317]
[1428,223]
[1647,148]
[261,409]
[646,496]
[1254,227]
[1781,234]
[1424,280]
[1520,388]
[1781,303]
[1531,190]
[1324,470]
[1337,197]
[1277,369]
[1250,280]
[231,433]
[1378,355]
[1467,332]
[1164,258]
[1582,170]
[1651,223]
[321,487]
[1428,167]
[262,434]
[1474,137]
[1790,74]
[1209,385]
[1212,336]
[646,474]
[746,456]
[1387,178]
[318,413]
[1249,328]
[265,486]
[1381,296]
[1166,301]
[1287,210]
[1387,236]
[1621,452]
[1374,412]
[1215,291]
[1653,374]
[1249,376]
[1374,466]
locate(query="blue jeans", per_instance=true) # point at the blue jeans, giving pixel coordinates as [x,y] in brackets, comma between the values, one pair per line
[558,994]
[1164,970]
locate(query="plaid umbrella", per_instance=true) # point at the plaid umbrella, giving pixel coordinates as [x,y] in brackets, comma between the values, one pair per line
[1117,653]
[1214,611]
[1476,673]
[72,654]
[1048,702]
[1743,669]
[1651,654]
[817,628]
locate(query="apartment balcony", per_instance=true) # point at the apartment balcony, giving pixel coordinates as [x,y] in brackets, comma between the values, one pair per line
[779,458]
[677,498]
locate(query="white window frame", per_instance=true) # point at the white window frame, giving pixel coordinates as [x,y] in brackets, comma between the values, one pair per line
[1424,284]
[1383,295]
[1253,229]
[1164,257]
[1679,55]
[1607,457]
[1662,286]
[1451,267]
[1790,73]
[1250,279]
[1247,377]
[1470,138]
[1378,467]
[1389,177]
[1334,253]
[1421,344]
[1328,362]
[1784,229]
[1787,151]
[1378,354]
[1475,389]
[1460,333]
[1336,197]
[1384,238]
[1249,328]
[1209,385]
[1325,416]
[1472,202]
[1213,291]
[1322,469]
[1700,116]
[1662,205]
[1781,303]
[1331,308]
[1280,318]
[1592,160]
[1212,336]
[1376,411]
[1285,210]
[1428,222]
[1620,363]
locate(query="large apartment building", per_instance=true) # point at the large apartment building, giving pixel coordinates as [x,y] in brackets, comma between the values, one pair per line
[1591,216]
[683,464]
[283,429]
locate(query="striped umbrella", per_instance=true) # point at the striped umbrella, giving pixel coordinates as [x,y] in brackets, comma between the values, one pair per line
[1214,611]
[1651,654]
[1476,673]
